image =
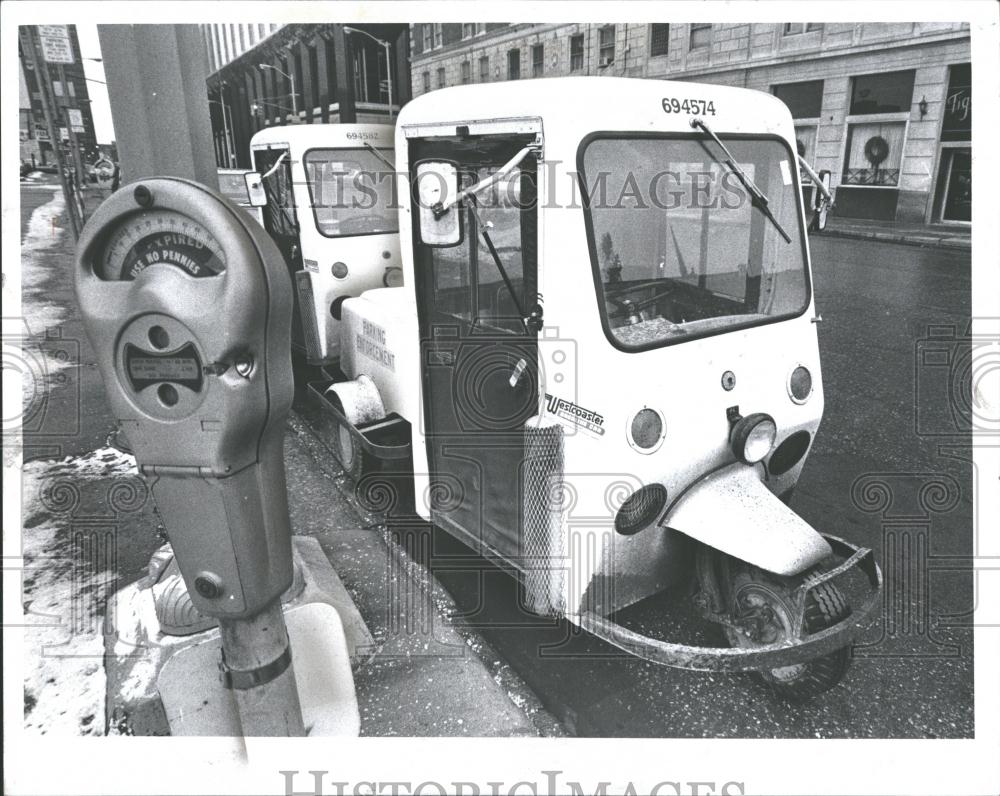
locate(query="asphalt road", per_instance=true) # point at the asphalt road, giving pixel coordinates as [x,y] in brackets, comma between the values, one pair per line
[914,676]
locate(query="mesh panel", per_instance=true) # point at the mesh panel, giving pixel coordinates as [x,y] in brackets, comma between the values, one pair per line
[543,540]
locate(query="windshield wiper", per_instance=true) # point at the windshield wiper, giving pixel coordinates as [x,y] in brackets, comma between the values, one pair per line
[484,231]
[757,197]
[380,156]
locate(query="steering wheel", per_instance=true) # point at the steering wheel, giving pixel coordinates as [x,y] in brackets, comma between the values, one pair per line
[624,307]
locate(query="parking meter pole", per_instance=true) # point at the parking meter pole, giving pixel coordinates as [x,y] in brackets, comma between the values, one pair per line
[257,666]
[192,332]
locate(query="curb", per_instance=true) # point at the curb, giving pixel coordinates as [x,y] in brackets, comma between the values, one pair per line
[925,241]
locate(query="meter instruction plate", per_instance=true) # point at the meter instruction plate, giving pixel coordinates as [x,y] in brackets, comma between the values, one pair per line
[146,368]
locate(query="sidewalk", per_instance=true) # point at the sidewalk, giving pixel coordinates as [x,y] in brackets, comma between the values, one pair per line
[945,236]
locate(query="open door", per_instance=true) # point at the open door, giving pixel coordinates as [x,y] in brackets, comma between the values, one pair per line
[479,356]
[280,219]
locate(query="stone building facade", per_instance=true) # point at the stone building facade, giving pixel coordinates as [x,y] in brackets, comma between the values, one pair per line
[884,107]
[266,75]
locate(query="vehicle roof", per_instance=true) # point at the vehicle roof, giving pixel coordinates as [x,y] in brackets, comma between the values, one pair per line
[591,104]
[308,136]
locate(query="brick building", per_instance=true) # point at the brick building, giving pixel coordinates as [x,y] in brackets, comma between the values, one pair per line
[885,107]
[69,89]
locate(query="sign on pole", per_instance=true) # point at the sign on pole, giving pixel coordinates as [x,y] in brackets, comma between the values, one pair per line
[75,119]
[56,45]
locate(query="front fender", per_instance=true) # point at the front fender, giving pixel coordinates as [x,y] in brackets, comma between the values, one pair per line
[733,511]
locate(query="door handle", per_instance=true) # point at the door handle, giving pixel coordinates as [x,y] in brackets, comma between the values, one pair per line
[515,375]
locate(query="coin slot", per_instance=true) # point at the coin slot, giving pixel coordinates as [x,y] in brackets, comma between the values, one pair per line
[167,394]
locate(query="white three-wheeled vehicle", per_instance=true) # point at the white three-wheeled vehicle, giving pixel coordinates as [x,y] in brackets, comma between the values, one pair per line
[325,194]
[605,357]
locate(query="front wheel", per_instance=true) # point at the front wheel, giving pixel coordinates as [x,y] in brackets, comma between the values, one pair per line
[762,610]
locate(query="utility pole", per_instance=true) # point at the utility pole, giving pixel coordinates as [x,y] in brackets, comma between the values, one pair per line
[43,79]
[81,174]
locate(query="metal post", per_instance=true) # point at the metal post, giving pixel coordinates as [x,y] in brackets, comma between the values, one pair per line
[42,78]
[257,666]
[81,175]
[388,74]
[156,84]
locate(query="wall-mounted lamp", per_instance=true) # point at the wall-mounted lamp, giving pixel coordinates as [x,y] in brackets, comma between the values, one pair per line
[923,106]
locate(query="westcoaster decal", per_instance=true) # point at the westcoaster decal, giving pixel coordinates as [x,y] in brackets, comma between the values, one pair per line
[584,419]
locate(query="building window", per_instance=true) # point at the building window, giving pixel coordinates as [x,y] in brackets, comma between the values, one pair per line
[437,35]
[428,33]
[480,28]
[874,153]
[659,40]
[514,64]
[701,36]
[440,77]
[537,60]
[794,28]
[484,69]
[804,100]
[576,53]
[889,92]
[466,72]
[607,43]
[468,30]
[427,82]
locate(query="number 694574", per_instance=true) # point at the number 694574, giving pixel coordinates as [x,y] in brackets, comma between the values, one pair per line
[700,106]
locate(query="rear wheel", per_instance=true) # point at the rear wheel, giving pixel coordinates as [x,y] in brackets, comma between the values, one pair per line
[761,605]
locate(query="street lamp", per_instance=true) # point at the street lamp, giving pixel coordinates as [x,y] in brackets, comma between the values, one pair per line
[388,57]
[291,80]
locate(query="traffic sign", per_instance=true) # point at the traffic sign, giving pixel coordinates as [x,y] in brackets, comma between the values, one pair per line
[75,119]
[56,45]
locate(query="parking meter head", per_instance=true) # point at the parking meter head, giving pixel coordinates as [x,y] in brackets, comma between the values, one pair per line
[188,306]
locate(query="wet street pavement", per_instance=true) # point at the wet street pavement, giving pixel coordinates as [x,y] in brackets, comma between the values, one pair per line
[888,470]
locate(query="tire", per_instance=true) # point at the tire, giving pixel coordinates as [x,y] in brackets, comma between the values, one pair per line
[752,588]
[349,453]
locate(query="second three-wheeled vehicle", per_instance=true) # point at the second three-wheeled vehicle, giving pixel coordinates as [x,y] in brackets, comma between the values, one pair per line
[605,361]
[325,195]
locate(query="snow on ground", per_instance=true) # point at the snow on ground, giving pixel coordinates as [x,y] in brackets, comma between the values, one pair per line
[67,581]
[44,233]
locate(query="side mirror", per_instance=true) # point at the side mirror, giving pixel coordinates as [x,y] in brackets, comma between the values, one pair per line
[437,183]
[255,189]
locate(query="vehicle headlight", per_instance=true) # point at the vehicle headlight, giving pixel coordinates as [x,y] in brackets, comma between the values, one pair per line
[800,384]
[753,437]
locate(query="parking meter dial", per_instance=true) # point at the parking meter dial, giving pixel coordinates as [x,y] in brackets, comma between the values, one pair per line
[161,238]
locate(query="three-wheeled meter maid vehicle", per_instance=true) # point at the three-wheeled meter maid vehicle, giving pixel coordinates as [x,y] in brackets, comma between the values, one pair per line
[607,353]
[325,194]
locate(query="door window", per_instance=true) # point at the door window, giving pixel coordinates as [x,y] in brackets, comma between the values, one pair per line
[468,283]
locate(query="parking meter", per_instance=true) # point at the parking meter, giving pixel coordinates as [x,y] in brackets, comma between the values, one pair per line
[188,305]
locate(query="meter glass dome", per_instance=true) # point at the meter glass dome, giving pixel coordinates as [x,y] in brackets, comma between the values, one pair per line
[159,237]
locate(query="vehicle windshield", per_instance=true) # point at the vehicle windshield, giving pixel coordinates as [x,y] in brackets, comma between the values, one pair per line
[679,247]
[352,192]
